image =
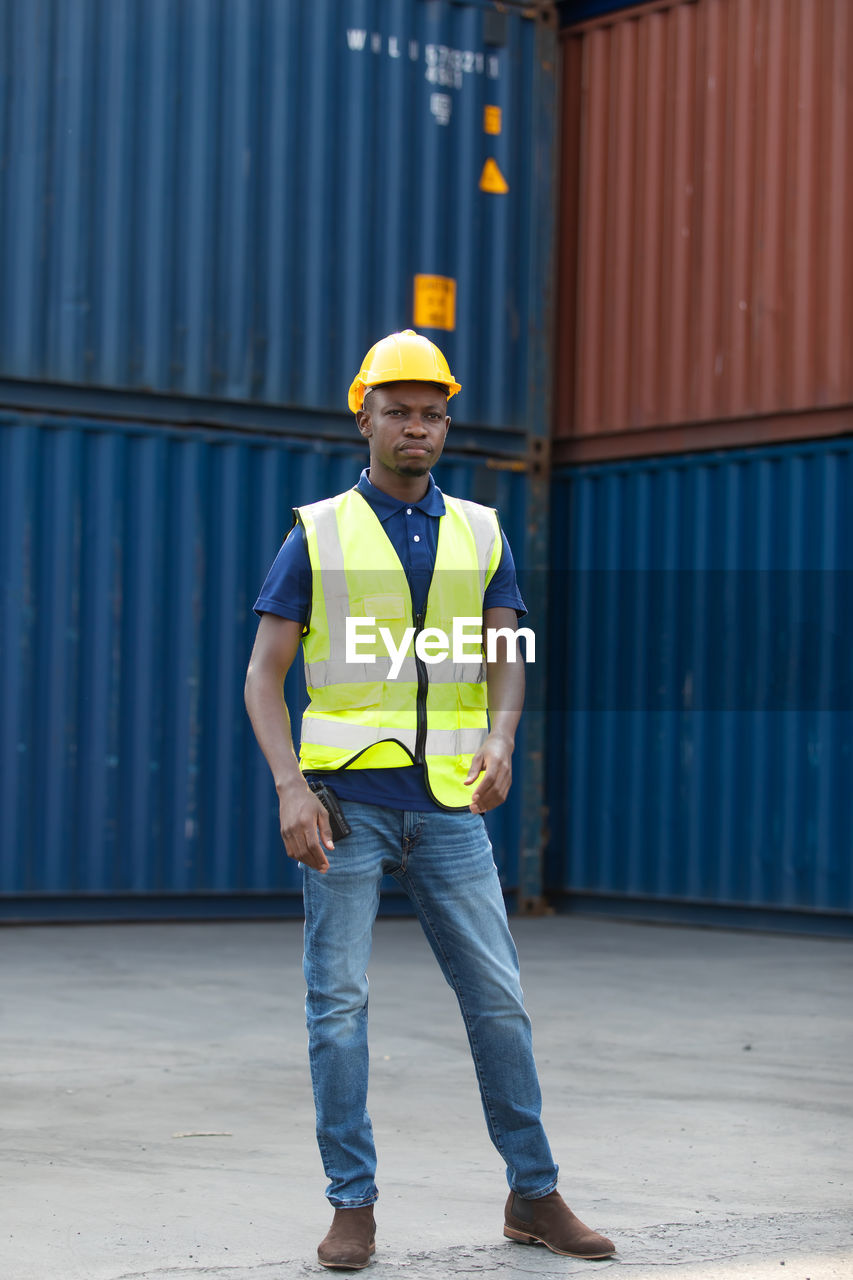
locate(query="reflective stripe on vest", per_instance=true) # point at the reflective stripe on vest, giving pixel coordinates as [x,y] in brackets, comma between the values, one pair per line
[433,712]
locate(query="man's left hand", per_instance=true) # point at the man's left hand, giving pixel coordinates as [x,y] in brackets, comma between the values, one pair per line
[491,770]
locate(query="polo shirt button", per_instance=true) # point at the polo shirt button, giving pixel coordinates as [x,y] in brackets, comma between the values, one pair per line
[417,537]
[408,511]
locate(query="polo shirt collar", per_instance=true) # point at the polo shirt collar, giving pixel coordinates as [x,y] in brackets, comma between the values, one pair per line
[431,504]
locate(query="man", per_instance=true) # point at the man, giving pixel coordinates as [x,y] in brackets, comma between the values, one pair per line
[416,746]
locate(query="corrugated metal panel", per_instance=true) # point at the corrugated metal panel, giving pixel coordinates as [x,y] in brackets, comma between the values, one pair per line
[707,270]
[232,200]
[130,557]
[700,681]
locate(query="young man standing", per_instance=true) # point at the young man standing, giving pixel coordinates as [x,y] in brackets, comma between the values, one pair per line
[416,745]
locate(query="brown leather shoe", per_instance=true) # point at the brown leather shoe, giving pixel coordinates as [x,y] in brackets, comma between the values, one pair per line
[351,1239]
[550,1221]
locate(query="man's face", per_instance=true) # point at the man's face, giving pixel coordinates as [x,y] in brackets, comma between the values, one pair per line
[405,424]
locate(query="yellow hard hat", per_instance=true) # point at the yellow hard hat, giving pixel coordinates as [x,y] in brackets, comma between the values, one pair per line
[401,357]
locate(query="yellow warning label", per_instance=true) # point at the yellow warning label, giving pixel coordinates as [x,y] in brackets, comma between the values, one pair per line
[491,179]
[492,119]
[435,302]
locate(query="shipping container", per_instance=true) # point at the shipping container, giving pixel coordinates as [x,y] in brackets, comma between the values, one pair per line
[231,202]
[706,269]
[130,557]
[700,739]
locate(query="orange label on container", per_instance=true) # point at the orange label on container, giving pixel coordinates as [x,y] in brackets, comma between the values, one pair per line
[492,119]
[491,179]
[435,302]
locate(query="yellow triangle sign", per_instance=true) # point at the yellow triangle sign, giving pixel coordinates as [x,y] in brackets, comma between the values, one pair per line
[491,179]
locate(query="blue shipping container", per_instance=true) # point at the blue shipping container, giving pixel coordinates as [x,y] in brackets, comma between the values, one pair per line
[130,557]
[701,687]
[234,200]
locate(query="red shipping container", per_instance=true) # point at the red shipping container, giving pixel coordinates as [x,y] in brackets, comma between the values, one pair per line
[706,274]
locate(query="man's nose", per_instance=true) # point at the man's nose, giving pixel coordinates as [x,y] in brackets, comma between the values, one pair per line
[415,426]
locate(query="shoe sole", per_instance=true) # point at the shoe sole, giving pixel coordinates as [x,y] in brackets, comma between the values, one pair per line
[348,1266]
[522,1237]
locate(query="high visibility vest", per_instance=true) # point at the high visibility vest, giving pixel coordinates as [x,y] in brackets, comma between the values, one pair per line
[435,712]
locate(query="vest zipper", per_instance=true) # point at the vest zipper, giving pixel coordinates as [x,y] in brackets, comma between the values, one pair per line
[420,735]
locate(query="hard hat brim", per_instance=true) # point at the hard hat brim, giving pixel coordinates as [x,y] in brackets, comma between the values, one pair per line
[359,389]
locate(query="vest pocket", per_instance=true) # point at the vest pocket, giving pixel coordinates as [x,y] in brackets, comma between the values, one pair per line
[359,694]
[472,697]
[384,608]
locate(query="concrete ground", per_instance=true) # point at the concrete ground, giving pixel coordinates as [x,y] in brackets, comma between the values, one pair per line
[157,1116]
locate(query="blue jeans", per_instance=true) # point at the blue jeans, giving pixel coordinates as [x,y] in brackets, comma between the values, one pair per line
[444,862]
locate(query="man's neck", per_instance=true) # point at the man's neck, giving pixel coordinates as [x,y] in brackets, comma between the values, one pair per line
[403,488]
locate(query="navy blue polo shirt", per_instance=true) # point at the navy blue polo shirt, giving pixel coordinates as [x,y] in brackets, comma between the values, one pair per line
[413,531]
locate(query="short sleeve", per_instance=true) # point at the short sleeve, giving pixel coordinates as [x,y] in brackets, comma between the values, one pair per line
[287,589]
[502,591]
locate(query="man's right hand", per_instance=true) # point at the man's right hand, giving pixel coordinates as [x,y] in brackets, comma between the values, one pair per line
[301,816]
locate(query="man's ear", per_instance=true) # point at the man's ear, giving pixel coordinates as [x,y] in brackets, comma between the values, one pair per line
[364,423]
